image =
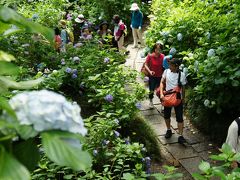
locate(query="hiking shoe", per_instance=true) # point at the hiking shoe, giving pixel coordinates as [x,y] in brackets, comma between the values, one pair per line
[151,105]
[181,140]
[168,134]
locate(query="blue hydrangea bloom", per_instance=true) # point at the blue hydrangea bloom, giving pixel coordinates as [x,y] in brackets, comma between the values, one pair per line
[108,98]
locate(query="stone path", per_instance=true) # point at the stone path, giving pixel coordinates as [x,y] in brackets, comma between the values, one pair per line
[185,158]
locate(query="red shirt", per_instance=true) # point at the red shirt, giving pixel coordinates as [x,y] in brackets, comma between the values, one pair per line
[155,64]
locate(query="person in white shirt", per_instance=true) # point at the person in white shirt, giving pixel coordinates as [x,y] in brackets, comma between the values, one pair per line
[169,81]
[233,139]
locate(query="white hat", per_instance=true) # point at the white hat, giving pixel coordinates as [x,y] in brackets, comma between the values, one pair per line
[80,18]
[134,7]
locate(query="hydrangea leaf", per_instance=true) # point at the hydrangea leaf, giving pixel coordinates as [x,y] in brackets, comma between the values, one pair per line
[6,57]
[21,151]
[10,168]
[7,68]
[65,153]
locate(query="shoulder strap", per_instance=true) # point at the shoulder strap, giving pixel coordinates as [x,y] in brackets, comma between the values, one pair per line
[179,77]
[238,123]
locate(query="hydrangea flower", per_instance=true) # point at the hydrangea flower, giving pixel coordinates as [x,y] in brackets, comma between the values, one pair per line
[106,60]
[68,70]
[95,152]
[26,52]
[76,59]
[138,105]
[74,71]
[105,142]
[74,76]
[206,102]
[164,34]
[78,45]
[172,51]
[116,133]
[185,71]
[63,62]
[26,45]
[211,52]
[46,110]
[108,98]
[35,16]
[196,64]
[146,79]
[179,36]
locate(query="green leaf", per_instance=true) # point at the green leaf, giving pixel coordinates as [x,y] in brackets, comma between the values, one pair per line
[10,84]
[198,176]
[5,106]
[128,176]
[219,173]
[8,15]
[23,149]
[226,149]
[204,166]
[6,57]
[26,131]
[10,168]
[7,68]
[65,153]
[217,157]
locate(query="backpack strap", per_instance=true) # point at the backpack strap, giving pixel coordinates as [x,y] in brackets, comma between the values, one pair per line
[179,79]
[238,123]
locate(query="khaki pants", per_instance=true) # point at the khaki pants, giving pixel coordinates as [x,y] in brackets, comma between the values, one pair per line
[137,36]
[121,48]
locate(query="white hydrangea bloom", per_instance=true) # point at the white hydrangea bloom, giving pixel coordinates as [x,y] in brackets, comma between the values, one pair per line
[46,110]
[179,36]
[211,52]
[206,102]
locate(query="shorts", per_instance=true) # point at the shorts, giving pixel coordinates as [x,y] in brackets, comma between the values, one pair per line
[178,111]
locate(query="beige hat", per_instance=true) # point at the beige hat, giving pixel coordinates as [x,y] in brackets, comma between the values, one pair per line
[62,23]
[80,18]
[134,7]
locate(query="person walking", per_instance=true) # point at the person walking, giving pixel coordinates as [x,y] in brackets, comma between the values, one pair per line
[154,65]
[136,25]
[119,28]
[233,139]
[170,79]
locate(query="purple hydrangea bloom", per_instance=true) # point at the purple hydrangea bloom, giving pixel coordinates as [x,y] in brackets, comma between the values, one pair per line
[68,70]
[74,76]
[78,45]
[74,71]
[95,152]
[108,98]
[116,133]
[138,105]
[106,60]
[146,79]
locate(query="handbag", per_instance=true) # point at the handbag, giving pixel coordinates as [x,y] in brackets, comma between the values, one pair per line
[144,70]
[172,97]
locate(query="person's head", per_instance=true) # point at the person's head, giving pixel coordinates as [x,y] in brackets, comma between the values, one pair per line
[157,47]
[174,64]
[57,31]
[116,19]
[134,7]
[103,25]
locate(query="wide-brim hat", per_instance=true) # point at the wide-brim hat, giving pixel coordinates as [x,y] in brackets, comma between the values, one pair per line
[62,23]
[103,23]
[134,7]
[79,19]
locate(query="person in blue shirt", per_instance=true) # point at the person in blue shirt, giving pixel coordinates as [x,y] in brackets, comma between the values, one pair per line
[136,25]
[165,61]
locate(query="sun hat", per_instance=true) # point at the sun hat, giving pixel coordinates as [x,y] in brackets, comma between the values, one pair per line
[134,7]
[103,23]
[62,23]
[80,18]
